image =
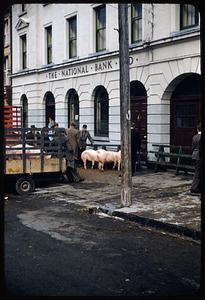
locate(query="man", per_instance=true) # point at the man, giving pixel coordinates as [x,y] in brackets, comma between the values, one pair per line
[135,146]
[51,122]
[83,136]
[72,134]
[31,136]
[195,187]
[61,139]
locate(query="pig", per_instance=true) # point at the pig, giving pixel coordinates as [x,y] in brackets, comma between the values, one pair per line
[89,155]
[108,156]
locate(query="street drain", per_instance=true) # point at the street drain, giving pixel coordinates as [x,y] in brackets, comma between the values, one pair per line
[93,210]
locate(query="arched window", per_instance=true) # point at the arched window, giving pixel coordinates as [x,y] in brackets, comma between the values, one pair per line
[73,107]
[24,103]
[49,106]
[101,112]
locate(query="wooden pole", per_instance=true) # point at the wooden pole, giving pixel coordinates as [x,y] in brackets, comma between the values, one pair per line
[126,179]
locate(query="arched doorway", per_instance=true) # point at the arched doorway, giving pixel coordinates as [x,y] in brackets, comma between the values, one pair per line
[185,110]
[138,106]
[73,107]
[101,111]
[49,106]
[24,104]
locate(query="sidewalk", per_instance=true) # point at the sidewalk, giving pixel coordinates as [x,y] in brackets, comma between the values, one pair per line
[160,199]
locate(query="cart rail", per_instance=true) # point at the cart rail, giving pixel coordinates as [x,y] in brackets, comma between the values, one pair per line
[34,150]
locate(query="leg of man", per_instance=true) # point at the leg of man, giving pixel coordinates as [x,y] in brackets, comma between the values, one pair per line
[80,152]
[195,187]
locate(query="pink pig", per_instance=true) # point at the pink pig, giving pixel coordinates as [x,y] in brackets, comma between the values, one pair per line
[89,155]
[108,156]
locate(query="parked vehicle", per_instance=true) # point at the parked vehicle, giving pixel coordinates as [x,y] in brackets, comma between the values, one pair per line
[30,156]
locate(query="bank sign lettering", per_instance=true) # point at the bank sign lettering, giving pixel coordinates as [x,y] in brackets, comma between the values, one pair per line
[86,69]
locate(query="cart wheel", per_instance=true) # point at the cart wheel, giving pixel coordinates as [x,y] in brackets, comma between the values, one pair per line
[25,185]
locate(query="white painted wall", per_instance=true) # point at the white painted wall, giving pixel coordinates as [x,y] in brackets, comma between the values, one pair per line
[163,55]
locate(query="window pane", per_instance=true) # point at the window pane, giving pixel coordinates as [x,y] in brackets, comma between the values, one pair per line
[136,22]
[49,44]
[72,49]
[49,55]
[101,112]
[137,30]
[100,28]
[23,49]
[100,17]
[186,115]
[72,28]
[101,39]
[49,35]
[189,15]
[73,37]
[24,43]
[136,10]
[25,113]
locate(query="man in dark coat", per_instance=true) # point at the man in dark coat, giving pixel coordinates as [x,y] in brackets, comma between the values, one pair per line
[73,135]
[32,136]
[195,187]
[61,139]
[135,146]
[83,136]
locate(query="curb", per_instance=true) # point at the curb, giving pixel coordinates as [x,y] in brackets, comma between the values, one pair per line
[170,228]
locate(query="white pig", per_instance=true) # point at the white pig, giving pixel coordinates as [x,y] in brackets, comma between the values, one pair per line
[89,155]
[107,157]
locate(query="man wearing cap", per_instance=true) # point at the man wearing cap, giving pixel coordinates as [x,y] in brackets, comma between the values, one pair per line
[83,136]
[73,135]
[31,136]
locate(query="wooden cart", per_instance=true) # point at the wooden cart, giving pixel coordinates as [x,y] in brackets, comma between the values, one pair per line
[28,160]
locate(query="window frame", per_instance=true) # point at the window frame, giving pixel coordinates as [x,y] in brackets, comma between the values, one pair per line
[23,39]
[24,102]
[97,30]
[6,68]
[49,50]
[71,40]
[196,17]
[6,32]
[98,103]
[135,20]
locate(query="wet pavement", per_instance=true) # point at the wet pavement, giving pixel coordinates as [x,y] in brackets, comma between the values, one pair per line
[162,196]
[58,244]
[75,239]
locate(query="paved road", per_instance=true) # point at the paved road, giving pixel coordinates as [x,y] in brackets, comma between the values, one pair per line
[54,247]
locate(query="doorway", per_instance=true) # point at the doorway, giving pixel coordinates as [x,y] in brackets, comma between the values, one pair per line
[49,106]
[138,106]
[73,107]
[185,111]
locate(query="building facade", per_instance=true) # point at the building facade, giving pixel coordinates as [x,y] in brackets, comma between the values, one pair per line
[66,65]
[7,57]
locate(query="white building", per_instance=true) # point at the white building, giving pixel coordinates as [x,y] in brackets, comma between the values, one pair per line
[66,65]
[7,56]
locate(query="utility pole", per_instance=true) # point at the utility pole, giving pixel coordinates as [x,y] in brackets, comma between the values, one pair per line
[126,179]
